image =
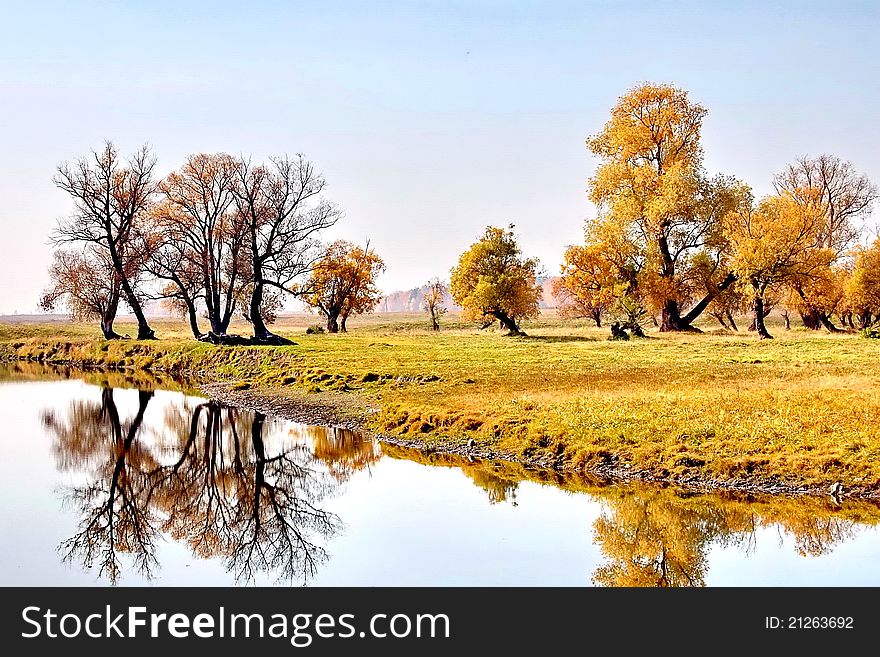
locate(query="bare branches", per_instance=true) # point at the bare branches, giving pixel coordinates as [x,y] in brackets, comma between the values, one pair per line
[844,196]
[110,201]
[282,209]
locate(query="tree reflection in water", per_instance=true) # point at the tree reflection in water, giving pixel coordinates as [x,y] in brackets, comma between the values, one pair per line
[658,537]
[232,484]
[225,481]
[661,537]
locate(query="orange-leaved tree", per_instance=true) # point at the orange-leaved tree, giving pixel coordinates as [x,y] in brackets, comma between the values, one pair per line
[87,285]
[343,283]
[776,242]
[603,276]
[201,238]
[493,281]
[651,184]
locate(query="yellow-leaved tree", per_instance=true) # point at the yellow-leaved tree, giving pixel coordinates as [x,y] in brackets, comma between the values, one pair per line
[843,197]
[652,188]
[862,287]
[343,283]
[776,242]
[493,281]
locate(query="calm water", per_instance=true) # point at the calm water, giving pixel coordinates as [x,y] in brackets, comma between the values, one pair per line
[103,484]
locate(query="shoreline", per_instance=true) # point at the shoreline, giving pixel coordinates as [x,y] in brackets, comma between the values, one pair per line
[343,413]
[287,383]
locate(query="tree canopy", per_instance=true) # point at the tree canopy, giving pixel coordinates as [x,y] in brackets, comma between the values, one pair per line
[778,241]
[493,281]
[343,283]
[655,196]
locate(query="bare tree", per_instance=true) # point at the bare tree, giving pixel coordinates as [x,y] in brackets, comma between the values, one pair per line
[203,235]
[110,200]
[283,210]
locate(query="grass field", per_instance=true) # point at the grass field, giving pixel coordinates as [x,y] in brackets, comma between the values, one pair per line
[803,409]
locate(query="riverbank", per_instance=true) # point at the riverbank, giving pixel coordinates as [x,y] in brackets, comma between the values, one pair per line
[715,411]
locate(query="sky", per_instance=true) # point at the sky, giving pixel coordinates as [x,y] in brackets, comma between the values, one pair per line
[429,120]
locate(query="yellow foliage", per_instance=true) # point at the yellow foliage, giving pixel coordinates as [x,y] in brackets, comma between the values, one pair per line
[654,195]
[777,241]
[494,281]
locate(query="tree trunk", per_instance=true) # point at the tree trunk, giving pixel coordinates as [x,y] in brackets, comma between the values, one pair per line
[672,319]
[507,322]
[758,308]
[342,324]
[144,330]
[720,318]
[435,322]
[597,317]
[828,324]
[256,316]
[810,320]
[193,317]
[814,318]
[107,329]
[731,321]
[109,316]
[332,323]
[787,320]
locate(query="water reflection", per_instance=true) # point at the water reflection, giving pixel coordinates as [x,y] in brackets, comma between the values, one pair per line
[226,482]
[651,536]
[143,467]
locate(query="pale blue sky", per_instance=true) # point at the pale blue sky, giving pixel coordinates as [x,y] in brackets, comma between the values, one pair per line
[430,120]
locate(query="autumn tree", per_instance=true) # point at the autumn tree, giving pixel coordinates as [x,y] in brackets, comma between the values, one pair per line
[343,283]
[589,284]
[202,238]
[282,207]
[843,197]
[652,188]
[603,277]
[111,198]
[862,286]
[776,242]
[493,281]
[435,295]
[87,285]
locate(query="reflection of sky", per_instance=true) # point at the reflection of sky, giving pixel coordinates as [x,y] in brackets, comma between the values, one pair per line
[405,524]
[775,563]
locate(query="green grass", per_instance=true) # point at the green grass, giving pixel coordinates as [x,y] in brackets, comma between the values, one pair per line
[801,409]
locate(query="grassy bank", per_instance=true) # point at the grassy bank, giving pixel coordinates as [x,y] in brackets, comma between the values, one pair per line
[712,409]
